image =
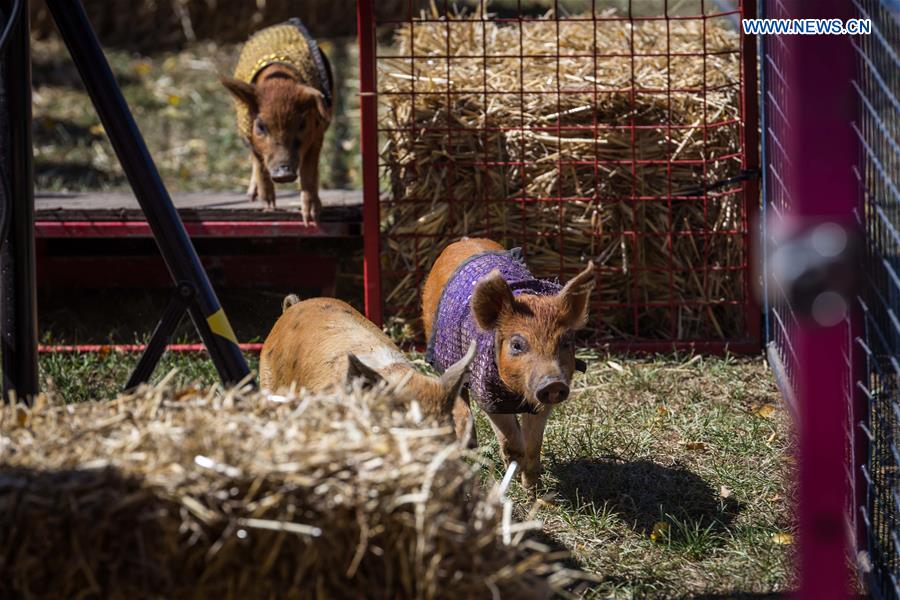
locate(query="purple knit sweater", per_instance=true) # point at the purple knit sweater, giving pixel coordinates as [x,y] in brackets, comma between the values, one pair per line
[455,326]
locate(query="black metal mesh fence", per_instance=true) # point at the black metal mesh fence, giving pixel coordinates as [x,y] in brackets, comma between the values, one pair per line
[878,172]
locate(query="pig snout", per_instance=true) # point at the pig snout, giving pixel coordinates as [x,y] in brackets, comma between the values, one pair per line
[552,390]
[282,172]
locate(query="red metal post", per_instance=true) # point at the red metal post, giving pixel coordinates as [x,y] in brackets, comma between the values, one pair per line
[368,102]
[823,150]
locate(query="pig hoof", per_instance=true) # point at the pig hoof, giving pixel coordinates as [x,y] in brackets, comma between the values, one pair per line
[310,207]
[531,481]
[309,217]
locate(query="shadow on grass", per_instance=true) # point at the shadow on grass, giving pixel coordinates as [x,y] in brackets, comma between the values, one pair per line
[644,493]
[51,175]
[554,545]
[46,131]
[58,70]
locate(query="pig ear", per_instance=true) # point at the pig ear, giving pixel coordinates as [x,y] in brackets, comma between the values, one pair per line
[324,110]
[455,376]
[575,298]
[289,301]
[491,297]
[356,369]
[242,91]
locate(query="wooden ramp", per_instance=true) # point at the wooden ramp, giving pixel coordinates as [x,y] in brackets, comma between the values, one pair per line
[205,214]
[102,240]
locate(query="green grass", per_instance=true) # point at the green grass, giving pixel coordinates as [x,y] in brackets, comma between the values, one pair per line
[665,479]
[80,377]
[669,478]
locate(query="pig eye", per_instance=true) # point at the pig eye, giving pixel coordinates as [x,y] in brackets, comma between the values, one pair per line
[517,345]
[260,127]
[567,343]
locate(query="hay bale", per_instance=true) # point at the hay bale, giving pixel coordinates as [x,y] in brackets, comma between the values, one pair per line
[200,494]
[502,168]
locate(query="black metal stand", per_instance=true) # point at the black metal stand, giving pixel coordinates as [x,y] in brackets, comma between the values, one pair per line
[174,244]
[181,300]
[18,302]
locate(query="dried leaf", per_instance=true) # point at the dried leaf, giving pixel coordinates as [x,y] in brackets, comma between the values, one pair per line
[170,64]
[21,416]
[659,532]
[701,446]
[783,539]
[724,492]
[185,394]
[766,410]
[615,366]
[142,68]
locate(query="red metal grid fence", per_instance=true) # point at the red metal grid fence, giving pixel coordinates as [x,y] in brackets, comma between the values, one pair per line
[623,132]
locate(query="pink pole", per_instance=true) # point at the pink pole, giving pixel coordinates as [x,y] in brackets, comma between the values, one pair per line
[822,149]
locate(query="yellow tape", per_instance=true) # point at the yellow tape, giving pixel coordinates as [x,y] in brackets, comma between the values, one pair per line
[219,324]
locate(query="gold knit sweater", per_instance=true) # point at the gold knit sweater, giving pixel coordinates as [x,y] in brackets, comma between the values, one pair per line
[282,44]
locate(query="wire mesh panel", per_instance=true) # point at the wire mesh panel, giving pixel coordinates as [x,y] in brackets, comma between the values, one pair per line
[606,130]
[878,90]
[780,322]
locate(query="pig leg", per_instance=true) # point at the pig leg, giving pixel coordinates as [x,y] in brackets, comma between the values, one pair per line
[509,434]
[310,205]
[267,187]
[252,191]
[533,433]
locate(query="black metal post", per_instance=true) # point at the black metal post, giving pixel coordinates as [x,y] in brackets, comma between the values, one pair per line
[18,304]
[174,244]
[169,321]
